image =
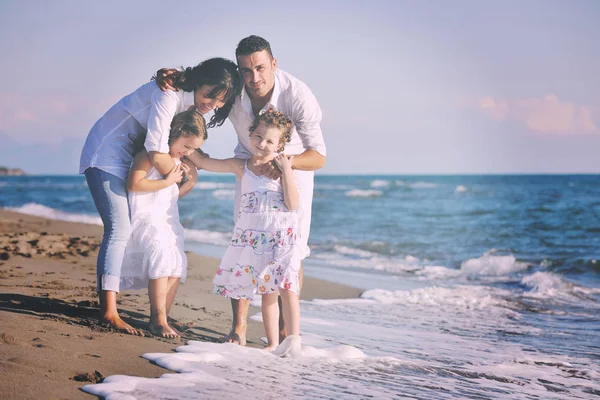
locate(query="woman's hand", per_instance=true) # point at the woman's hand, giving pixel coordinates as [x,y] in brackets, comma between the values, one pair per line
[165,77]
[175,175]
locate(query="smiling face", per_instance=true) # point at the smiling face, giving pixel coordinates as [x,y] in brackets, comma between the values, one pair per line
[204,103]
[184,146]
[258,71]
[265,140]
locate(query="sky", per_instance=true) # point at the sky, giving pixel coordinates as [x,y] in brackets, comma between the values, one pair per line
[406,87]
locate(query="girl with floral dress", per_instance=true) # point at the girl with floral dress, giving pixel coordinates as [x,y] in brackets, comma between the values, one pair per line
[265,252]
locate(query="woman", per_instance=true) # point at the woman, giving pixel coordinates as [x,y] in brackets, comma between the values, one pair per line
[107,156]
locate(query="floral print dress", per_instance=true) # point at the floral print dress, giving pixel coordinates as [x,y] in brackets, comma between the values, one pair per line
[265,252]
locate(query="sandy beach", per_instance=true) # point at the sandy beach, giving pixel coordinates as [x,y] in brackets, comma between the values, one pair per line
[51,343]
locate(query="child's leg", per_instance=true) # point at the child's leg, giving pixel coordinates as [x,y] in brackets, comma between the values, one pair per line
[282,331]
[157,292]
[172,286]
[270,315]
[291,311]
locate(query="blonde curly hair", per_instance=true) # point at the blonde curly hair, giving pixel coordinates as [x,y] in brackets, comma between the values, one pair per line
[274,119]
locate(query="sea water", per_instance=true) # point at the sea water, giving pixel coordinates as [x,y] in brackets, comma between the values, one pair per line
[475,287]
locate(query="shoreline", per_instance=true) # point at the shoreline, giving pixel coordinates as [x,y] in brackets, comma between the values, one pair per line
[51,343]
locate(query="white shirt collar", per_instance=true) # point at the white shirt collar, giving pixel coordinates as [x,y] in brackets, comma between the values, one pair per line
[272,103]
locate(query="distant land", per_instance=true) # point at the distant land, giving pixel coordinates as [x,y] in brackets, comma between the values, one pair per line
[5,171]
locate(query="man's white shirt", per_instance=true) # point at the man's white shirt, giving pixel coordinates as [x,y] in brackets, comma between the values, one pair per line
[294,99]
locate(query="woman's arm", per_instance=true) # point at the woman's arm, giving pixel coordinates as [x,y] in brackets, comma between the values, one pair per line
[291,197]
[136,179]
[163,107]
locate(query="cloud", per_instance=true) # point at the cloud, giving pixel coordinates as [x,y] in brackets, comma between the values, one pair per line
[547,114]
[46,119]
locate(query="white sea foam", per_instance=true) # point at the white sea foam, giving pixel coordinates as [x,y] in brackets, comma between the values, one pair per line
[461,189]
[203,236]
[444,342]
[546,285]
[363,193]
[324,186]
[213,185]
[379,183]
[40,210]
[224,194]
[467,297]
[417,185]
[492,265]
[422,185]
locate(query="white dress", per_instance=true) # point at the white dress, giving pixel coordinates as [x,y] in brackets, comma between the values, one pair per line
[155,248]
[265,251]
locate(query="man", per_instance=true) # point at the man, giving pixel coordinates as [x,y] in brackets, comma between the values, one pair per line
[266,87]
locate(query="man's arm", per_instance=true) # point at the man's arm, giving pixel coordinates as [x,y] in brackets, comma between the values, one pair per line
[310,160]
[307,115]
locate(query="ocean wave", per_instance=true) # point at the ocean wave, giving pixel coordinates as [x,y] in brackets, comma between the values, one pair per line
[416,185]
[323,186]
[493,265]
[363,193]
[40,210]
[465,297]
[214,185]
[209,237]
[224,194]
[379,183]
[547,285]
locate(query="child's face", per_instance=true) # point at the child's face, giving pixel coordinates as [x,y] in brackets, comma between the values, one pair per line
[184,146]
[265,140]
[205,104]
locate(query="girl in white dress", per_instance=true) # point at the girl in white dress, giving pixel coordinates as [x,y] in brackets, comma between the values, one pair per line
[154,255]
[265,251]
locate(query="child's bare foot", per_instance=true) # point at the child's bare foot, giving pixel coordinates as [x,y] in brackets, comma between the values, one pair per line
[270,348]
[237,336]
[290,347]
[162,330]
[118,324]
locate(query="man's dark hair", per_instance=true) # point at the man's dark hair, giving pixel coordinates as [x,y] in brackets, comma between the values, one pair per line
[252,44]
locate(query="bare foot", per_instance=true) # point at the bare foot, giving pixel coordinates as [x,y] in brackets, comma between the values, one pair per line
[163,331]
[119,325]
[180,326]
[270,348]
[290,347]
[238,337]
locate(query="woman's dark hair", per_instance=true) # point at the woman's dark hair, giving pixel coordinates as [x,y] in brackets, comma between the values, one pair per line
[218,72]
[188,123]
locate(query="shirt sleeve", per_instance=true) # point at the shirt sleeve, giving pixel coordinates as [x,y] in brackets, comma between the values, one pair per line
[163,108]
[308,121]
